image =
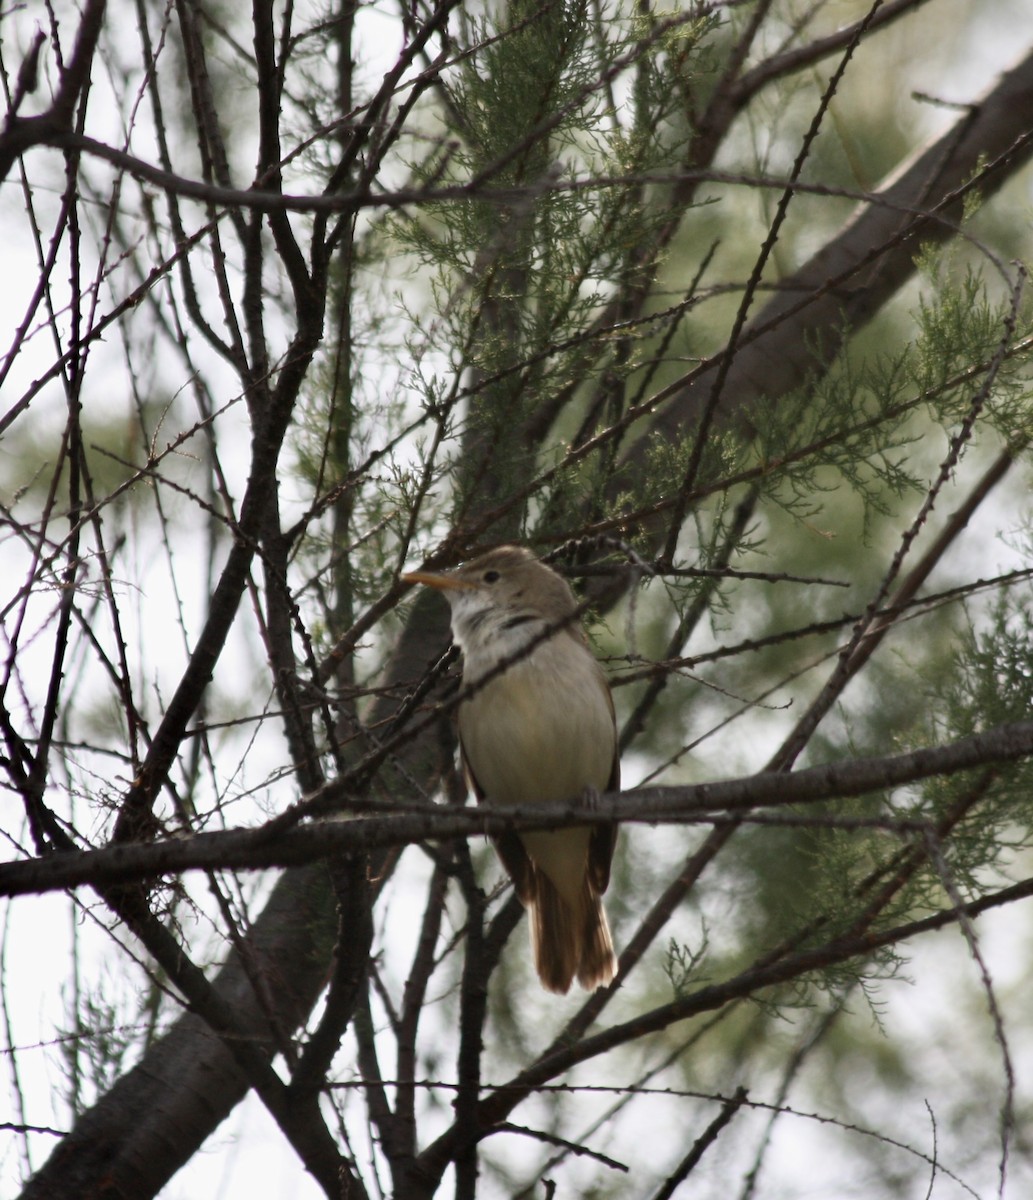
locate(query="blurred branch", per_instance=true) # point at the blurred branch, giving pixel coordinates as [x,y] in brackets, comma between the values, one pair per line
[253,849]
[706,1139]
[853,275]
[22,133]
[869,632]
[497,1106]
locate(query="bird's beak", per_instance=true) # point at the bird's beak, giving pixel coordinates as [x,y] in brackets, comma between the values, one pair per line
[435,579]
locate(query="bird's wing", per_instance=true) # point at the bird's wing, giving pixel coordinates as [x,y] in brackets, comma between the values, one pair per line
[508,846]
[603,841]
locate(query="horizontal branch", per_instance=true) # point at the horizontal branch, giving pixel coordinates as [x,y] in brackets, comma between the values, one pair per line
[264,847]
[257,199]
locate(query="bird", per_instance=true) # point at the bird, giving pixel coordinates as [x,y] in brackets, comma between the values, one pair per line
[538,727]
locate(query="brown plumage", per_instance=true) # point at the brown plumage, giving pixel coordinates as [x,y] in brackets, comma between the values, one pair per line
[540,731]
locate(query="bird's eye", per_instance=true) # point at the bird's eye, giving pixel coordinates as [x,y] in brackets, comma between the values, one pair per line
[490,576]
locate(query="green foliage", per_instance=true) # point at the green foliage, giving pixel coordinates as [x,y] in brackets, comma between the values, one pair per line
[991,684]
[497,354]
[682,962]
[522,284]
[95,1049]
[960,334]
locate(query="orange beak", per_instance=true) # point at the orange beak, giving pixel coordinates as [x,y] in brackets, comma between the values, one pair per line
[436,579]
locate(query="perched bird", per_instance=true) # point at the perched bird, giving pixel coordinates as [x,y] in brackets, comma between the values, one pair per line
[539,731]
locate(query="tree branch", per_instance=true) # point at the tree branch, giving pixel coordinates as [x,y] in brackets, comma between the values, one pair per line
[252,849]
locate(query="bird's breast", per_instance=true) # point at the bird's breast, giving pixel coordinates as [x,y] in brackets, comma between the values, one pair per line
[542,731]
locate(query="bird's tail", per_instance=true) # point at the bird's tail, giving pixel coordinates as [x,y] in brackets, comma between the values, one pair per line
[570,940]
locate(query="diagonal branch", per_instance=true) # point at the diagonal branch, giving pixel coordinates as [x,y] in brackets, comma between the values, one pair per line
[497,1107]
[854,274]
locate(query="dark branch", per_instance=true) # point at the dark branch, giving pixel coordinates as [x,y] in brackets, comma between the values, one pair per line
[252,849]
